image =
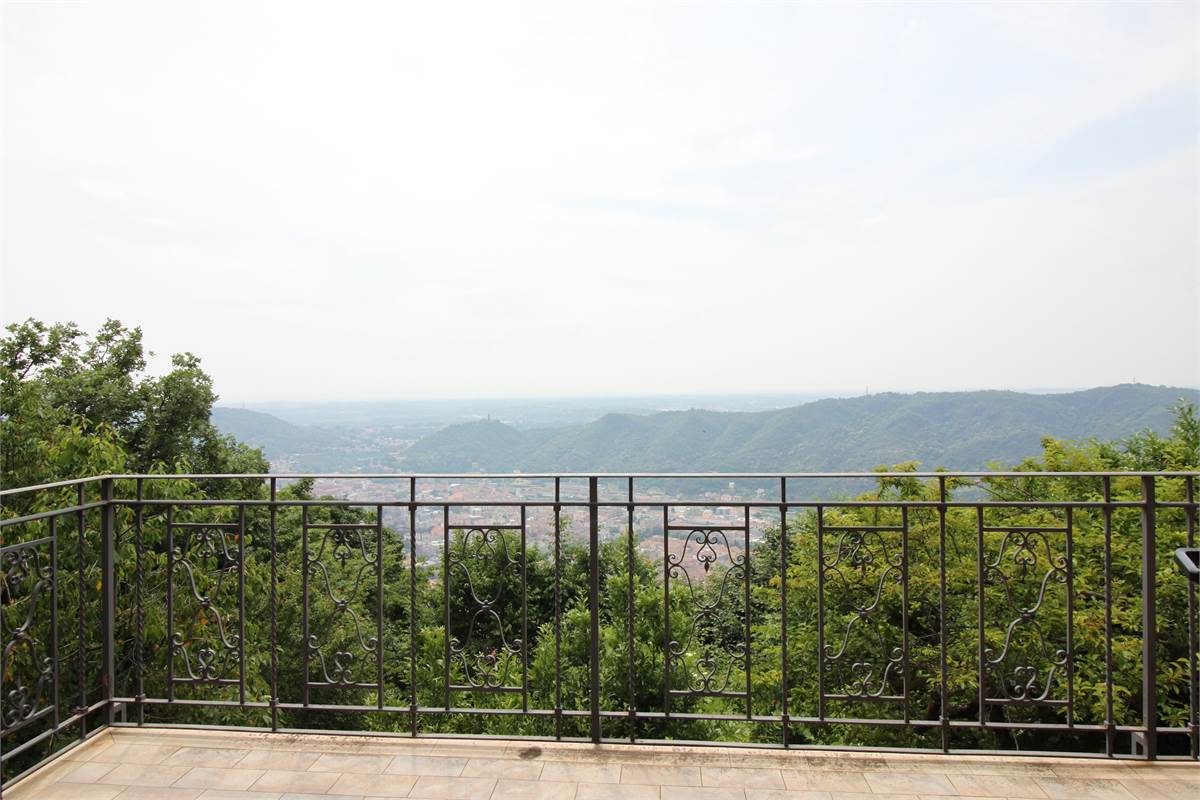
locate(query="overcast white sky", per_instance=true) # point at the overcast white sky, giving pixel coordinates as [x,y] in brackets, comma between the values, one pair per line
[344,201]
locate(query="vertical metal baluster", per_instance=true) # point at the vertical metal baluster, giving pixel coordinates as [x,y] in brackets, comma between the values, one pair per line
[820,612]
[1110,729]
[446,599]
[274,612]
[139,615]
[1149,618]
[783,612]
[170,602]
[54,615]
[629,620]
[667,610]
[304,644]
[943,680]
[108,597]
[242,603]
[524,621]
[379,603]
[980,577]
[594,604]
[904,609]
[1193,641]
[557,609]
[1070,619]
[746,602]
[81,519]
[412,605]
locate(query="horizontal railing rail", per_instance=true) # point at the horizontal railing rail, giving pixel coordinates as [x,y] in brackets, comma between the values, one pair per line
[948,611]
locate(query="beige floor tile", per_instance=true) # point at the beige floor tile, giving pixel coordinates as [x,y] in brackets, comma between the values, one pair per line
[660,775]
[615,791]
[287,780]
[220,778]
[743,778]
[513,789]
[787,794]
[827,781]
[121,753]
[872,796]
[85,771]
[234,794]
[278,759]
[65,791]
[701,793]
[351,762]
[307,796]
[581,772]
[446,787]
[1089,788]
[373,785]
[1158,790]
[841,762]
[159,793]
[909,783]
[143,775]
[425,765]
[996,786]
[205,757]
[514,769]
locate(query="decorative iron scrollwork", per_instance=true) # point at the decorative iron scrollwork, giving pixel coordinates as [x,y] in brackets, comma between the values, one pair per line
[863,654]
[487,655]
[208,556]
[27,578]
[705,650]
[1027,665]
[357,570]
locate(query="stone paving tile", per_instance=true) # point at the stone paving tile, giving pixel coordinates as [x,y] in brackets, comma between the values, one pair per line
[445,787]
[159,793]
[121,753]
[502,768]
[1091,788]
[701,793]
[85,772]
[825,781]
[744,778]
[871,796]
[660,775]
[143,775]
[190,756]
[351,762]
[512,789]
[286,780]
[1157,790]
[909,783]
[219,778]
[785,794]
[425,765]
[996,786]
[615,791]
[306,796]
[374,785]
[581,772]
[233,794]
[67,791]
[277,759]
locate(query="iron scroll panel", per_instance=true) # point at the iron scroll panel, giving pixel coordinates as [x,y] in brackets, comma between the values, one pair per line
[342,562]
[206,603]
[29,659]
[711,656]
[863,656]
[485,649]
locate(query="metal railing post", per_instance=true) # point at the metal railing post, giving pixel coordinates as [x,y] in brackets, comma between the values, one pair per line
[594,605]
[107,597]
[1149,622]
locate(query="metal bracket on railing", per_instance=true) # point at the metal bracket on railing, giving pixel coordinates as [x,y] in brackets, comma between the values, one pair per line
[1188,561]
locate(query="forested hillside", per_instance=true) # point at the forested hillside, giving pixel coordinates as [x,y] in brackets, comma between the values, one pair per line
[956,430]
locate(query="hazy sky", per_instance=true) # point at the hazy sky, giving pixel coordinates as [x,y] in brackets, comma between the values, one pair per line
[345,200]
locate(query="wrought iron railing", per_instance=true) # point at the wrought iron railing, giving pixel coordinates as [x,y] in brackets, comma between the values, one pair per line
[942,611]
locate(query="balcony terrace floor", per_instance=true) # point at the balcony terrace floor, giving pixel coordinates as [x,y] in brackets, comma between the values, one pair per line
[177,764]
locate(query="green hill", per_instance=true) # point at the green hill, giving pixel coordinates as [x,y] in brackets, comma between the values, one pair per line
[956,430]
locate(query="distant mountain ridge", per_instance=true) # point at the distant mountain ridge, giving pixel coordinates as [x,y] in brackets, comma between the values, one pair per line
[955,430]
